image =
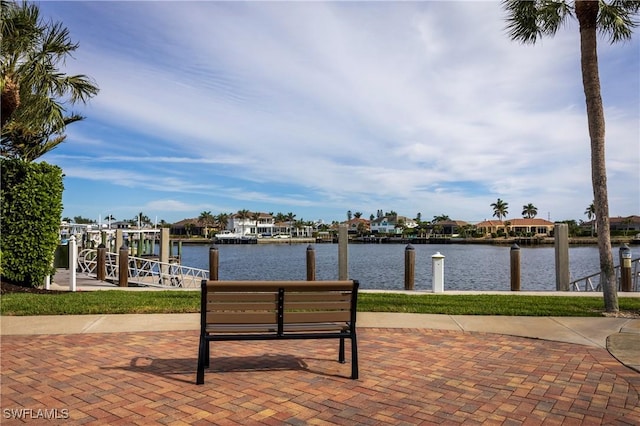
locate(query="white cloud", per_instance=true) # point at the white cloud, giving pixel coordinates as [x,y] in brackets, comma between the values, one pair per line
[418,103]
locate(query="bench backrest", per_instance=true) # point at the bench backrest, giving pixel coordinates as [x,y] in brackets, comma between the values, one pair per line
[278,302]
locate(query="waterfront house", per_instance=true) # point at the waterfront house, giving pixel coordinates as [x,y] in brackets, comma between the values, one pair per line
[448,227]
[392,224]
[188,227]
[518,226]
[531,226]
[265,225]
[629,223]
[358,225]
[488,227]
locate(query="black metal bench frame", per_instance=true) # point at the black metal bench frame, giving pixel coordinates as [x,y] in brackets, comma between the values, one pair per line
[275,310]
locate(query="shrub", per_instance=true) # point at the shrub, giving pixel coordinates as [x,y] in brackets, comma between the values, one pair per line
[31,207]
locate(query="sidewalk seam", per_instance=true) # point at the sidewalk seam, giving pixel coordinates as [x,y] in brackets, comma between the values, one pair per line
[595,343]
[89,326]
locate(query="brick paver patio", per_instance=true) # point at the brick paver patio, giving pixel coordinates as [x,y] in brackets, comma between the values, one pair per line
[407,376]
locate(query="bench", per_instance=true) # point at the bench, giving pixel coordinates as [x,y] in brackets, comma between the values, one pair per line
[275,310]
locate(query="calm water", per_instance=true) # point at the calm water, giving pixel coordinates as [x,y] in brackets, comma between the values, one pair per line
[381,266]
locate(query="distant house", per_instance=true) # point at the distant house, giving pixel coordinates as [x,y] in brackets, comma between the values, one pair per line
[519,226]
[532,226]
[264,225]
[391,224]
[629,223]
[357,224]
[619,223]
[448,227]
[120,225]
[188,227]
[488,227]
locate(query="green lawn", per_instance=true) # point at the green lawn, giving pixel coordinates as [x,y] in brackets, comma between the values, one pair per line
[142,302]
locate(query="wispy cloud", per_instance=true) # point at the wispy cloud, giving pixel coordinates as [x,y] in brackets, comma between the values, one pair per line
[324,107]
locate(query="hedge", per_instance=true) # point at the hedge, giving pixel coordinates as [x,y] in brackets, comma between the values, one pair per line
[31,208]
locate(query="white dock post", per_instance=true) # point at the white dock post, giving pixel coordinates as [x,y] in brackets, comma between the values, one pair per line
[73,260]
[437,268]
[165,254]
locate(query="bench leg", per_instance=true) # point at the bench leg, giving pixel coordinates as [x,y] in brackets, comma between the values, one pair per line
[341,351]
[354,357]
[207,355]
[203,360]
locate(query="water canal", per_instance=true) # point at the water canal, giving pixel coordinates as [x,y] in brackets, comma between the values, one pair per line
[381,266]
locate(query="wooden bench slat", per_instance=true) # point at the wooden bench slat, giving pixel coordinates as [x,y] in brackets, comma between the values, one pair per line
[241,306]
[242,317]
[237,297]
[301,317]
[257,286]
[337,296]
[272,328]
[242,328]
[313,305]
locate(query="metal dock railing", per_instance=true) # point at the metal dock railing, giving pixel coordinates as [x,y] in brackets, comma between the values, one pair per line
[593,282]
[143,271]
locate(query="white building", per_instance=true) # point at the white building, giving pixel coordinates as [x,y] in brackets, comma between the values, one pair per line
[391,224]
[249,226]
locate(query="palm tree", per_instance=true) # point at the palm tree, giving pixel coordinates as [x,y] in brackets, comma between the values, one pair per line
[207,219]
[256,218]
[243,215]
[289,218]
[529,211]
[34,91]
[299,224]
[528,20]
[591,214]
[500,209]
[141,219]
[110,218]
[441,218]
[222,220]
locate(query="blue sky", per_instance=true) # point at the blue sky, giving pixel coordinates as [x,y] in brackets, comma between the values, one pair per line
[318,108]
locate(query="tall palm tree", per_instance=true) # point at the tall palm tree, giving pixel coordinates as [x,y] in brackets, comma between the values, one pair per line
[34,93]
[529,211]
[500,209]
[591,214]
[529,20]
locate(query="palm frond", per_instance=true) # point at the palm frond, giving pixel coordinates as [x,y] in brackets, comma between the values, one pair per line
[529,20]
[617,19]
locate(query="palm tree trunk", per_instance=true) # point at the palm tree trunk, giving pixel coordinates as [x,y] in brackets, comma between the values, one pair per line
[587,13]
